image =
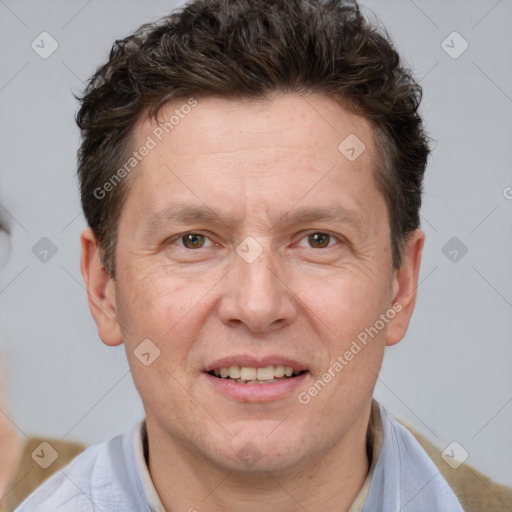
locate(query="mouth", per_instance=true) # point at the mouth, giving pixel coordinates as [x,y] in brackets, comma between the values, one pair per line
[256,375]
[248,378]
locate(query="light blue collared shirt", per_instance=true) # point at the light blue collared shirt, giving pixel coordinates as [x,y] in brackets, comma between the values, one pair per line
[106,478]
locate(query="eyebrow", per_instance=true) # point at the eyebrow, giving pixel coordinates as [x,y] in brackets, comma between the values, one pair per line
[180,213]
[336,213]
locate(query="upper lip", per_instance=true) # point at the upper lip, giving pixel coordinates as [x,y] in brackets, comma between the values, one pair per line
[255,362]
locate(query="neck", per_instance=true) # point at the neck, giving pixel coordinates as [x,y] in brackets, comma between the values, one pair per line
[329,480]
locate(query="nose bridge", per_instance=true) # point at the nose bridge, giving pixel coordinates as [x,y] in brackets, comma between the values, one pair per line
[258,284]
[257,297]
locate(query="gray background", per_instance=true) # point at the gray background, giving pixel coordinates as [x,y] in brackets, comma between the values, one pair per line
[450,378]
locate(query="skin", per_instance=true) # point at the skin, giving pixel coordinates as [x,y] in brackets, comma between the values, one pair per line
[10,443]
[253,164]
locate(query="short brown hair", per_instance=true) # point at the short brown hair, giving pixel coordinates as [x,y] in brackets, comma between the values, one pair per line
[251,49]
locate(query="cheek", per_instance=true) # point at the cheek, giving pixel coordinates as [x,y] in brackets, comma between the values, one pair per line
[156,307]
[346,313]
[149,305]
[170,311]
[348,303]
[354,344]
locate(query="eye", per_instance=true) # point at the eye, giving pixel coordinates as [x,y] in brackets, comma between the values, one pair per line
[318,240]
[193,240]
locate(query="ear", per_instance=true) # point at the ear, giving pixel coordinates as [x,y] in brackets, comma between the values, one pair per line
[100,290]
[405,284]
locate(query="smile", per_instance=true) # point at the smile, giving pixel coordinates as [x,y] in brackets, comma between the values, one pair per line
[252,375]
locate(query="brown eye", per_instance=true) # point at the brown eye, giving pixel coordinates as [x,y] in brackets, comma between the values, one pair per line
[193,241]
[319,240]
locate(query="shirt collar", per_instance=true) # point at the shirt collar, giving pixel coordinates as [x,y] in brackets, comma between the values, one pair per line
[374,439]
[140,445]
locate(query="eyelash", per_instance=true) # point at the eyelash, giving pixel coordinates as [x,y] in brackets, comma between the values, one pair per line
[333,237]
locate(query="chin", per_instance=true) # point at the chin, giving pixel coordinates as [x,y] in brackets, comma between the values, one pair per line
[261,451]
[250,460]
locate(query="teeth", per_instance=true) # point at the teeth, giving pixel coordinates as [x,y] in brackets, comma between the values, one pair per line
[279,371]
[234,372]
[266,373]
[249,375]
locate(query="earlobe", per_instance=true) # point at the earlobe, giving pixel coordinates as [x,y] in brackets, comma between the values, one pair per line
[405,284]
[100,290]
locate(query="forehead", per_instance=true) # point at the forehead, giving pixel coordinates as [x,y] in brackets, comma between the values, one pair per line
[301,121]
[268,153]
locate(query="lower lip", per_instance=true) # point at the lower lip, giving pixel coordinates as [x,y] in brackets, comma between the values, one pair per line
[256,392]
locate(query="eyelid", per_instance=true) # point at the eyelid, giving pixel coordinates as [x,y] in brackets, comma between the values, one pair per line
[303,235]
[179,237]
[337,238]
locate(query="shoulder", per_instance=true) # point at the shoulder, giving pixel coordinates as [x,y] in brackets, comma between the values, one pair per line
[406,476]
[103,477]
[475,490]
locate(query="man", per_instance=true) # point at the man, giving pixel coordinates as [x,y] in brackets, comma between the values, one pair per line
[251,174]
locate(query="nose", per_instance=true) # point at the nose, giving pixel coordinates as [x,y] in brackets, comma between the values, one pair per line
[257,296]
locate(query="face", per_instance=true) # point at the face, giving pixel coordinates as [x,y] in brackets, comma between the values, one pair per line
[255,256]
